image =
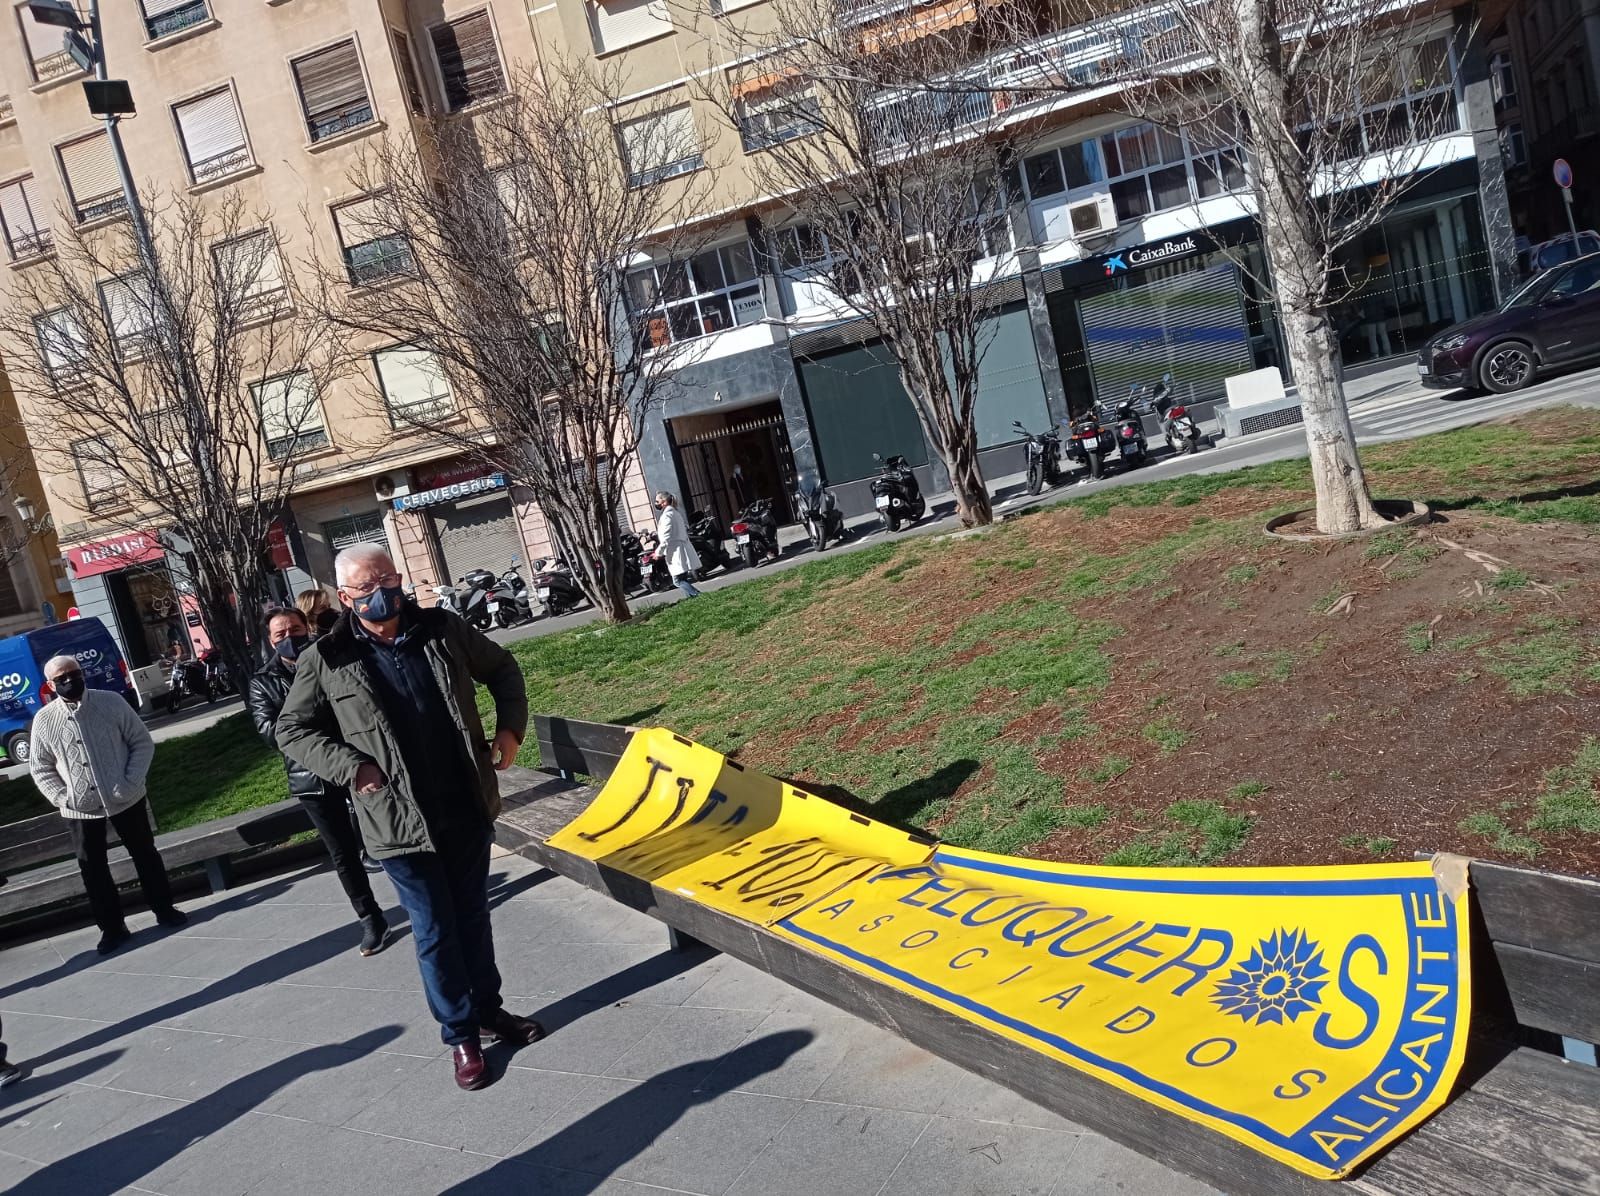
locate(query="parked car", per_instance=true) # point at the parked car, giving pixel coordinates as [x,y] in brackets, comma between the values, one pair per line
[1553,321]
[22,686]
[1548,254]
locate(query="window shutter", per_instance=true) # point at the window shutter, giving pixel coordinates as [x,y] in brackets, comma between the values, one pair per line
[90,169]
[624,22]
[129,305]
[659,140]
[408,73]
[62,345]
[330,81]
[360,222]
[468,61]
[158,8]
[19,205]
[289,407]
[413,379]
[251,264]
[211,127]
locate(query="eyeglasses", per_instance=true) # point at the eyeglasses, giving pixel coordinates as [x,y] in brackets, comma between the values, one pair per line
[385,582]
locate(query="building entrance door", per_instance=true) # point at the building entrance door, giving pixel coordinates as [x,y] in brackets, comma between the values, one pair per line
[728,459]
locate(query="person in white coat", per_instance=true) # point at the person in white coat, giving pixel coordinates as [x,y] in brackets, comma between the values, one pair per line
[673,532]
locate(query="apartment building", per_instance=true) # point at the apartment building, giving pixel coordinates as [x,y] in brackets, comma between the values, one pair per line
[269,101]
[1122,263]
[35,588]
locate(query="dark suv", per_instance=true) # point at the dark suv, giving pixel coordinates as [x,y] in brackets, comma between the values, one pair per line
[1551,322]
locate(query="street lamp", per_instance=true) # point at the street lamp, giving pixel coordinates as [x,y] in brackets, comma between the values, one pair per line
[26,512]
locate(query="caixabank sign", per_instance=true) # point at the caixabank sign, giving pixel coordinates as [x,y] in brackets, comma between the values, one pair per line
[1140,256]
[1314,1014]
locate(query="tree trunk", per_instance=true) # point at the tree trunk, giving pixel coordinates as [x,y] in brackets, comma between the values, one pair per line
[1343,503]
[611,599]
[972,494]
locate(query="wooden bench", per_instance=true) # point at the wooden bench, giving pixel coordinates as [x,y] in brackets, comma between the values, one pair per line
[1523,1119]
[44,841]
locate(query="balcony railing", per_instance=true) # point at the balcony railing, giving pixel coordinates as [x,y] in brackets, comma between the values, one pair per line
[7,111]
[54,66]
[374,261]
[99,209]
[222,165]
[281,448]
[331,124]
[34,244]
[667,170]
[176,20]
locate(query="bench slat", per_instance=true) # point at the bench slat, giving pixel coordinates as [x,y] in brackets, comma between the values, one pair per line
[32,840]
[575,746]
[1540,910]
[1552,992]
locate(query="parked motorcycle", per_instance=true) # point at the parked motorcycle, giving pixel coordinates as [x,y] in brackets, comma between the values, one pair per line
[709,541]
[188,680]
[1131,444]
[1178,428]
[1044,458]
[473,591]
[653,569]
[555,587]
[632,549]
[896,494]
[509,602]
[756,532]
[218,681]
[819,512]
[1089,443]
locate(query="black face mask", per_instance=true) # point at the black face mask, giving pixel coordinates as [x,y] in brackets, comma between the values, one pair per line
[70,686]
[291,648]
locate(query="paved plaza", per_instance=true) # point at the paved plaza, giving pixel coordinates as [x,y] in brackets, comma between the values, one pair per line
[254,1051]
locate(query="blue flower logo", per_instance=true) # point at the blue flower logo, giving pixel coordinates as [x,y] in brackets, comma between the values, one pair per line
[1282,979]
[1115,263]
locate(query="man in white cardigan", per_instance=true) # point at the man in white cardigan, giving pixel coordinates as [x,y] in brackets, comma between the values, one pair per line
[90,756]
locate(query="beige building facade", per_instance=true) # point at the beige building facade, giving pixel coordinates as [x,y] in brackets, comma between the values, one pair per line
[270,103]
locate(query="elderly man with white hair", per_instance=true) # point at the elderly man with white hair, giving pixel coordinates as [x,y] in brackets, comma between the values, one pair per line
[400,683]
[90,756]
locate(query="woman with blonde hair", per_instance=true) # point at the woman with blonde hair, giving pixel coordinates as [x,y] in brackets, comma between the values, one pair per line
[317,609]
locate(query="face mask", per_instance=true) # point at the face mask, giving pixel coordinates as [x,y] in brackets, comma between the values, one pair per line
[381,605]
[70,686]
[291,648]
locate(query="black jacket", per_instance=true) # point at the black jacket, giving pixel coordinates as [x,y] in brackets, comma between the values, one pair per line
[268,690]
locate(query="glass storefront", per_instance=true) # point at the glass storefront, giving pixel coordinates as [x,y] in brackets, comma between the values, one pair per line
[1424,268]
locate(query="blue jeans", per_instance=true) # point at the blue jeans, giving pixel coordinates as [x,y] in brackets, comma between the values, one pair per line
[685,582]
[446,895]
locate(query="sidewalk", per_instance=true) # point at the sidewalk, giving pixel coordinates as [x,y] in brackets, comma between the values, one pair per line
[255,1052]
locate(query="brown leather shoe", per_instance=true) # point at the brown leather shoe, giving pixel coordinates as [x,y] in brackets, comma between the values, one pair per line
[501,1026]
[471,1071]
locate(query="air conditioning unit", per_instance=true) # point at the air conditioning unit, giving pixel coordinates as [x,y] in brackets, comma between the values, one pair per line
[1093,217]
[383,487]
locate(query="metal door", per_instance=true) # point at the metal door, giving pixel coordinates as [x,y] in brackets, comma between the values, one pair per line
[479,532]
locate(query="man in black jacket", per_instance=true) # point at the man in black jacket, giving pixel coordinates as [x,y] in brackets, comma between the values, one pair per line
[288,634]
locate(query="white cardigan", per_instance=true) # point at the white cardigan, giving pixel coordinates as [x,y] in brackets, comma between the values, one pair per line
[89,758]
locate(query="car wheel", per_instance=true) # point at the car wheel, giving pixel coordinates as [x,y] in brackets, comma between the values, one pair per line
[1506,367]
[18,748]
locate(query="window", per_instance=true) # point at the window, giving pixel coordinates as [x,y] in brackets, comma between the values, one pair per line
[20,216]
[1503,81]
[660,146]
[98,472]
[415,388]
[469,62]
[250,274]
[779,111]
[129,305]
[1513,146]
[365,528]
[408,73]
[1066,169]
[63,345]
[291,416]
[815,276]
[679,301]
[373,251]
[1148,169]
[212,134]
[618,23]
[90,172]
[164,17]
[333,91]
[46,48]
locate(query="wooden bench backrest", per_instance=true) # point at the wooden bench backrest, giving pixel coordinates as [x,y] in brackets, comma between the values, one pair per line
[32,841]
[1545,931]
[570,745]
[1543,928]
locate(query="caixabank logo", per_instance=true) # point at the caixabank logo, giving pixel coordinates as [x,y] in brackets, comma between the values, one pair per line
[1144,255]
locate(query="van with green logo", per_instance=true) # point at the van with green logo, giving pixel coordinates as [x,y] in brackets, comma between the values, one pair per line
[22,686]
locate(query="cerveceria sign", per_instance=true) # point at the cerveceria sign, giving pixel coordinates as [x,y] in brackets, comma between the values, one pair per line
[408,502]
[1139,256]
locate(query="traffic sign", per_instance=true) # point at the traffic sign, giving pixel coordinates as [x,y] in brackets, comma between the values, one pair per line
[1562,172]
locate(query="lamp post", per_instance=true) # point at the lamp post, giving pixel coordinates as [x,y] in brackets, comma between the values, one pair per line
[26,512]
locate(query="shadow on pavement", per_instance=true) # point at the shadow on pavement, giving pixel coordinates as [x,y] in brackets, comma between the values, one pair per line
[599,1143]
[125,1158]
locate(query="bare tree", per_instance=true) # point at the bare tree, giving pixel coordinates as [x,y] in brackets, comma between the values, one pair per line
[1325,109]
[179,399]
[535,248]
[895,190]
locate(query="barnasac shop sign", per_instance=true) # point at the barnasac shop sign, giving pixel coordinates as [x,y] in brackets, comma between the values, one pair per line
[107,556]
[1314,1014]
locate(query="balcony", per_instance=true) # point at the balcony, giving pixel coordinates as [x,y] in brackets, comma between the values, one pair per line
[176,20]
[222,165]
[376,261]
[30,245]
[331,124]
[101,209]
[55,66]
[667,170]
[8,112]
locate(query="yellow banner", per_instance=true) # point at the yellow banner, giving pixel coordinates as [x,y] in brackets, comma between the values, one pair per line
[1314,1014]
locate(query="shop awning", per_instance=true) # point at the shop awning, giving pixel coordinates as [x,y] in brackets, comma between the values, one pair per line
[908,25]
[743,89]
